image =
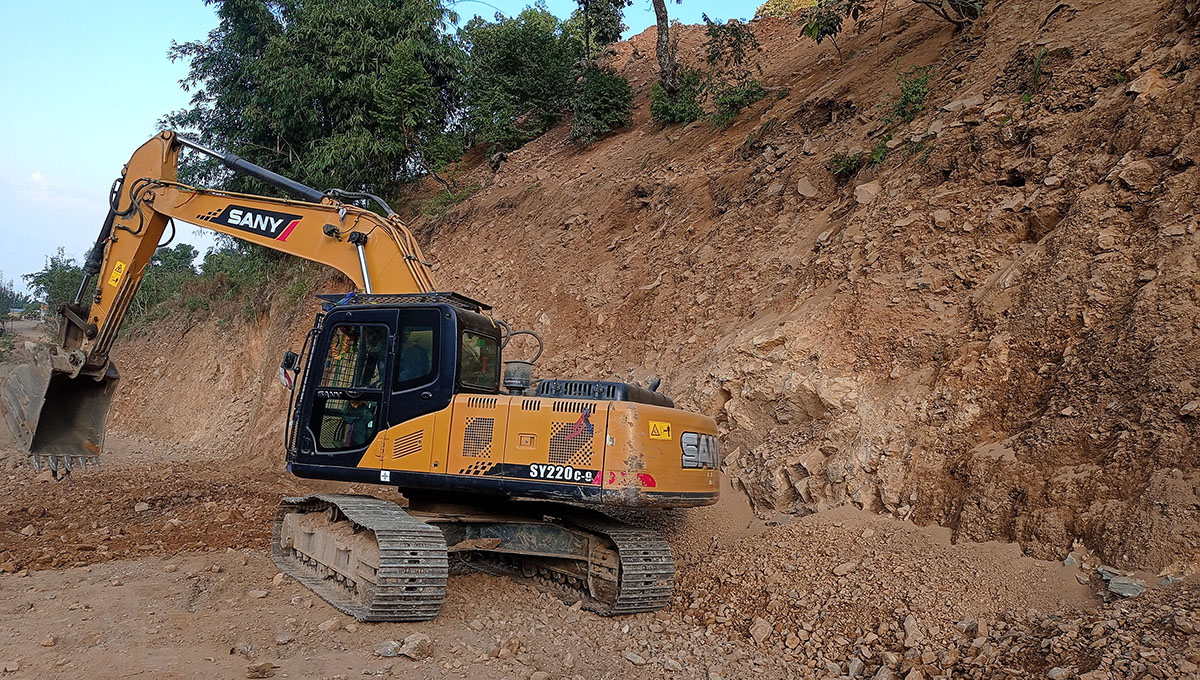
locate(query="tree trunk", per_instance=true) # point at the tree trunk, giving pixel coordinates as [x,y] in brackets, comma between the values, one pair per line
[666,56]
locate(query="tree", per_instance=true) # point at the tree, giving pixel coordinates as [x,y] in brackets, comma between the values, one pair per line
[668,67]
[596,24]
[294,85]
[10,297]
[169,270]
[520,76]
[57,282]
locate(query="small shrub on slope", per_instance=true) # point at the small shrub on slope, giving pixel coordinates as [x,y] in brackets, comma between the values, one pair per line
[604,103]
[684,107]
[730,99]
[914,89]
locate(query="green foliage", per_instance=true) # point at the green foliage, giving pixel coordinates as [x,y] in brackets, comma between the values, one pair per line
[914,90]
[1120,77]
[169,270]
[825,18]
[8,344]
[57,282]
[729,99]
[441,202]
[685,106]
[845,165]
[1037,69]
[195,303]
[520,77]
[236,269]
[782,8]
[310,89]
[730,84]
[11,298]
[726,48]
[596,24]
[879,153]
[604,103]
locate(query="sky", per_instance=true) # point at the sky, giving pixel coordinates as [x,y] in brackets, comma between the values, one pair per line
[83,84]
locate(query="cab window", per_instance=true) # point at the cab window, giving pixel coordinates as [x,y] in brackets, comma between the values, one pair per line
[479,362]
[356,358]
[355,363]
[416,350]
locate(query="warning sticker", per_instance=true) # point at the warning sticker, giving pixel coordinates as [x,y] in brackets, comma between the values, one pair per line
[660,430]
[118,272]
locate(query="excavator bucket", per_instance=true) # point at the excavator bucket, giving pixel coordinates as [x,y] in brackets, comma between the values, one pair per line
[58,419]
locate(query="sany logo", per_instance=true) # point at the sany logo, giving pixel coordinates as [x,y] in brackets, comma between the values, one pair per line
[267,223]
[582,425]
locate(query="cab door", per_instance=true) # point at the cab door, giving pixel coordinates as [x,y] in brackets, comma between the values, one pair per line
[348,391]
[420,393]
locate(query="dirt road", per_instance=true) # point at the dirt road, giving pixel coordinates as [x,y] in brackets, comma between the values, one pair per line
[156,566]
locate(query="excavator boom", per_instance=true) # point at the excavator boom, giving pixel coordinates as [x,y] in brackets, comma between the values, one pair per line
[57,405]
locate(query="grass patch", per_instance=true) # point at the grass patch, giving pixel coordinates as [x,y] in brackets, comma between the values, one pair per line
[914,90]
[845,165]
[440,204]
[879,153]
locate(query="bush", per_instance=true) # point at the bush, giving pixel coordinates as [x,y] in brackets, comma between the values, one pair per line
[782,8]
[8,345]
[914,89]
[824,19]
[844,165]
[731,99]
[684,107]
[604,103]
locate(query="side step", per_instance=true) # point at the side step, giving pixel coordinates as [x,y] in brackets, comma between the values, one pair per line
[366,557]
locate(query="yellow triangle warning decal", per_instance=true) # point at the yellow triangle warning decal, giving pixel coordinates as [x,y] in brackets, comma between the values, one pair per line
[660,430]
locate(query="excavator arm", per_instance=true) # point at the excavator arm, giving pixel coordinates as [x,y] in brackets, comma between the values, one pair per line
[378,254]
[57,405]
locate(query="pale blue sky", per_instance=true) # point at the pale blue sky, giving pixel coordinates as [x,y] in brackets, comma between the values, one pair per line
[83,85]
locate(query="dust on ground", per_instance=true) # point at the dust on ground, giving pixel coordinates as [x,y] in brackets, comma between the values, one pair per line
[157,567]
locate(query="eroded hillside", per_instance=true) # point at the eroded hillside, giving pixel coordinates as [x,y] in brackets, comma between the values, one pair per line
[994,329]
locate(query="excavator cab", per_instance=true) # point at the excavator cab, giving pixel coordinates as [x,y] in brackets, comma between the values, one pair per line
[376,361]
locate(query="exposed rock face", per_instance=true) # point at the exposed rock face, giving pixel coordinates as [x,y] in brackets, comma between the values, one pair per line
[993,329]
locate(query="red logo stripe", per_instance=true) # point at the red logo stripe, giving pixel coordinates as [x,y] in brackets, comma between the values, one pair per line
[288,231]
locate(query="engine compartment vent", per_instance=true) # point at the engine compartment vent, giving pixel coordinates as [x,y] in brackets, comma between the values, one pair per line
[601,390]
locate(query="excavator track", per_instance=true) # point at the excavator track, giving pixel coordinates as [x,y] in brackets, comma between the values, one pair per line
[366,557]
[640,579]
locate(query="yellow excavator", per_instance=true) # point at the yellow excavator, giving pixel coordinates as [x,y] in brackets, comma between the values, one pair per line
[399,385]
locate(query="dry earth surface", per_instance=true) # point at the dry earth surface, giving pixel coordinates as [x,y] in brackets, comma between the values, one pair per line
[936,380]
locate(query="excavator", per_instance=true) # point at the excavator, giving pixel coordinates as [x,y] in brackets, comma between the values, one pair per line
[399,385]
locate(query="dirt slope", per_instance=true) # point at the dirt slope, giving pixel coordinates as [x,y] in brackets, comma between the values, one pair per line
[994,330]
